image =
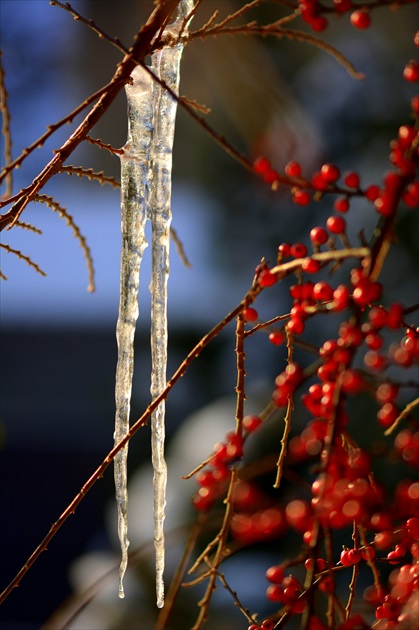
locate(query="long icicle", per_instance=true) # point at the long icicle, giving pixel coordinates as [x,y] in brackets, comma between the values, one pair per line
[165,65]
[135,171]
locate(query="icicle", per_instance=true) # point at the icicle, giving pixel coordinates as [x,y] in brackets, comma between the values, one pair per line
[165,65]
[135,165]
[146,167]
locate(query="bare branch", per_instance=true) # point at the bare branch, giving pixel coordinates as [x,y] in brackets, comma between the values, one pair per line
[56,207]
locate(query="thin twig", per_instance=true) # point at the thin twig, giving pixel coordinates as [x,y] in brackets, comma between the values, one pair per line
[287,421]
[19,254]
[103,145]
[179,248]
[56,207]
[403,414]
[4,109]
[28,226]
[100,176]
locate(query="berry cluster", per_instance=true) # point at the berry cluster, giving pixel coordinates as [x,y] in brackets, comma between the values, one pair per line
[314,13]
[338,490]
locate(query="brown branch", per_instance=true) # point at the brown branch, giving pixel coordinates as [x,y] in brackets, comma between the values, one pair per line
[238,13]
[241,372]
[19,254]
[78,17]
[100,176]
[140,48]
[28,226]
[179,248]
[103,145]
[403,414]
[5,130]
[56,207]
[287,421]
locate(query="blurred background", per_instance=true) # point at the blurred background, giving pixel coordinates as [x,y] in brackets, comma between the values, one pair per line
[279,98]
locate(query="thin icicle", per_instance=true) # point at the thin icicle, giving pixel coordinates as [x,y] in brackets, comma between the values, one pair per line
[165,65]
[135,165]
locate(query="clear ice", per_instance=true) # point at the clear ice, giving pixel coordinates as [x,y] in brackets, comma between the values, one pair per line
[146,174]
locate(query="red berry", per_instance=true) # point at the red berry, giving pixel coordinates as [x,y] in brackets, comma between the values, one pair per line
[250,314]
[275,574]
[352,381]
[372,192]
[319,182]
[341,204]
[275,593]
[318,236]
[318,23]
[330,173]
[284,250]
[360,19]
[352,180]
[388,414]
[344,558]
[300,197]
[295,326]
[276,338]
[309,265]
[322,291]
[411,71]
[342,6]
[341,297]
[261,165]
[298,250]
[293,169]
[266,278]
[251,423]
[336,224]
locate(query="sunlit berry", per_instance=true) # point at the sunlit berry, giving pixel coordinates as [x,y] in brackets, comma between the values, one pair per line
[360,19]
[330,173]
[309,265]
[276,338]
[322,291]
[318,236]
[251,423]
[266,278]
[284,250]
[388,413]
[336,224]
[300,197]
[411,71]
[341,296]
[275,574]
[250,314]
